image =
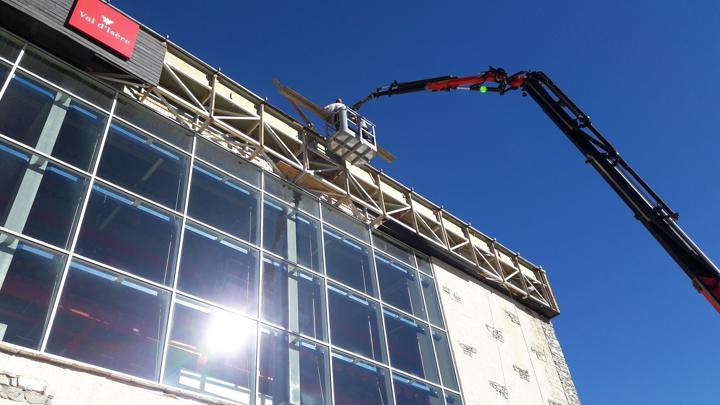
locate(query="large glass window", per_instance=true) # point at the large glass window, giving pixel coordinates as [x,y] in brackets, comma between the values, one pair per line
[423,263]
[292,235]
[447,369]
[110,321]
[399,286]
[132,236]
[291,195]
[431,300]
[357,382]
[4,69]
[28,278]
[410,346]
[292,370]
[343,221]
[144,166]
[215,268]
[51,121]
[9,47]
[412,392]
[226,204]
[393,248]
[293,299]
[70,79]
[355,324]
[211,351]
[227,161]
[156,124]
[38,198]
[452,399]
[348,262]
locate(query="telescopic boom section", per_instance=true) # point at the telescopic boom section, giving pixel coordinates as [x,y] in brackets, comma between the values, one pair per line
[647,206]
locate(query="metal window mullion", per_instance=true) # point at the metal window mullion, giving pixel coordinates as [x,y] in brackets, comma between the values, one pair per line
[327,306]
[76,233]
[176,275]
[429,325]
[382,318]
[12,71]
[256,382]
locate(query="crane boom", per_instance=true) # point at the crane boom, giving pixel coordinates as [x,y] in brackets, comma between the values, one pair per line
[647,206]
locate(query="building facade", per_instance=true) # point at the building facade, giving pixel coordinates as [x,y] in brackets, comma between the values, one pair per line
[161,245]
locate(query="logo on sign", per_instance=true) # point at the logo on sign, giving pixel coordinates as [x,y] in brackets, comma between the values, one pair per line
[105,25]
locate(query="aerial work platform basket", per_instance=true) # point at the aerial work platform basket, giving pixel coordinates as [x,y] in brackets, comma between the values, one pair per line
[350,136]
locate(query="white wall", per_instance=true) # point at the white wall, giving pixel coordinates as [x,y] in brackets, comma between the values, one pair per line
[501,348]
[68,386]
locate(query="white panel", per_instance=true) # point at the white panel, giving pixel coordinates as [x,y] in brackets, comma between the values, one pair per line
[466,305]
[518,368]
[542,361]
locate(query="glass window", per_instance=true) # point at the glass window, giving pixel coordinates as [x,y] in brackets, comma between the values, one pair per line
[393,248]
[132,236]
[291,195]
[412,392]
[348,262]
[399,286]
[410,346]
[226,160]
[447,369]
[343,221]
[355,324]
[224,203]
[38,197]
[9,47]
[110,321]
[452,399]
[431,300]
[424,264]
[215,268]
[211,351]
[292,235]
[60,74]
[144,166]
[4,69]
[292,370]
[293,299]
[28,278]
[357,382]
[156,124]
[51,121]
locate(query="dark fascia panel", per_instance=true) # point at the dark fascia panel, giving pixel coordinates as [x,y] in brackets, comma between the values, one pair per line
[43,22]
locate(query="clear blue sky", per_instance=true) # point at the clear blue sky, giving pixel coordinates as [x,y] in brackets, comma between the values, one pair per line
[633,329]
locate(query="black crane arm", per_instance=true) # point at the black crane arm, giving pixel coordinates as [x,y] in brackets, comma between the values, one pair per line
[647,206]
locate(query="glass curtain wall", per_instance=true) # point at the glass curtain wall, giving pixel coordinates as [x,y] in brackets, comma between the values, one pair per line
[132,244]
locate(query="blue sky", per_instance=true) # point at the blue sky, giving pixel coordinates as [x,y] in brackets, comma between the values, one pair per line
[633,329]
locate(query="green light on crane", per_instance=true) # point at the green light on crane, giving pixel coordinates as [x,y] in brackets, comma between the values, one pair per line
[483,89]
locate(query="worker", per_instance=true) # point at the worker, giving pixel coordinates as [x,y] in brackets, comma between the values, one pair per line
[334,109]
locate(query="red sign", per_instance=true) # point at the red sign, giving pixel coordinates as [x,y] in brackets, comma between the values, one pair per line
[105,25]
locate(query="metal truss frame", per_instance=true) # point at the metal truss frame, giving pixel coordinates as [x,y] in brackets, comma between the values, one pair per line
[213,105]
